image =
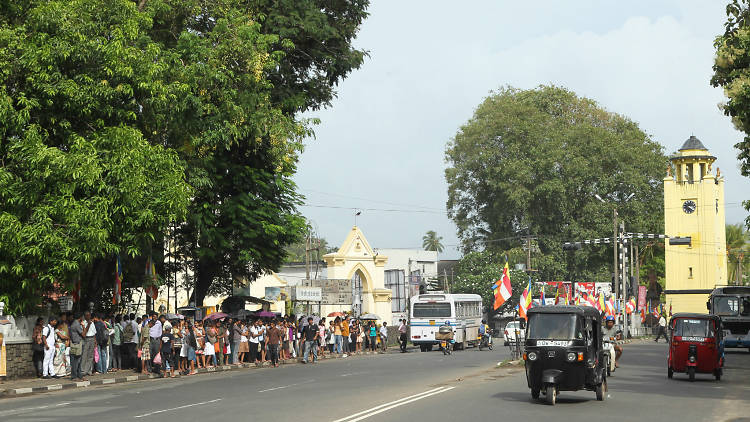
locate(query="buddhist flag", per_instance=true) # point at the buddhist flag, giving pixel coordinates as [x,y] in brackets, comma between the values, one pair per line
[560,295]
[151,290]
[541,297]
[525,302]
[601,306]
[77,290]
[630,306]
[117,295]
[611,306]
[503,289]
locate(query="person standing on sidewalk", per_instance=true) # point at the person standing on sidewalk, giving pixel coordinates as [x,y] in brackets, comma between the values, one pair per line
[338,338]
[89,343]
[155,338]
[236,340]
[130,343]
[310,335]
[345,335]
[274,340]
[117,344]
[384,337]
[662,329]
[76,346]
[48,336]
[373,336]
[402,334]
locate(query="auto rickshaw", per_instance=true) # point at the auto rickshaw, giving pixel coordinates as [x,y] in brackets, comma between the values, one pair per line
[696,345]
[564,351]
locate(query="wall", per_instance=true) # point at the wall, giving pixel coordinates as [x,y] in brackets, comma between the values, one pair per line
[19,361]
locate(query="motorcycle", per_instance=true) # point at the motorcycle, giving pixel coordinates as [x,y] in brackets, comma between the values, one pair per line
[445,335]
[609,352]
[485,341]
[447,346]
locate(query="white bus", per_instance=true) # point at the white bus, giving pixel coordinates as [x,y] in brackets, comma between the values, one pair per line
[429,311]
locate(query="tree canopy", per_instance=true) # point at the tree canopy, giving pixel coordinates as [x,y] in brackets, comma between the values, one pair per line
[531,161]
[432,242]
[118,118]
[732,73]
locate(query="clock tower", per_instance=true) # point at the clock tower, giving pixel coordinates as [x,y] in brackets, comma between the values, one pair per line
[694,208]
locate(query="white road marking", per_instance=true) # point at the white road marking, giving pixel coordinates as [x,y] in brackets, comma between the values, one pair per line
[25,409]
[176,408]
[285,386]
[388,406]
[352,373]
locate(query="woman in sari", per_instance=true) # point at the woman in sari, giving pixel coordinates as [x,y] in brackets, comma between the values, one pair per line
[61,361]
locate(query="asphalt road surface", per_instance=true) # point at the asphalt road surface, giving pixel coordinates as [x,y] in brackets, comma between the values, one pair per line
[400,387]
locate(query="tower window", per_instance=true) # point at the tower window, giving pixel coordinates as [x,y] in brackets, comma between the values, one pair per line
[703,170]
[690,272]
[717,206]
[689,173]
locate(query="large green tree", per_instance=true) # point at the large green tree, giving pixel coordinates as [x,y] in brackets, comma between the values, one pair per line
[732,72]
[182,105]
[532,161]
[738,252]
[79,181]
[432,242]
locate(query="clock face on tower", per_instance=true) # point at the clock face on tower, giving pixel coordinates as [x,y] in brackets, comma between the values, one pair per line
[688,207]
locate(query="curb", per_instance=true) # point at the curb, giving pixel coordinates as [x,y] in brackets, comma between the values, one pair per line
[18,392]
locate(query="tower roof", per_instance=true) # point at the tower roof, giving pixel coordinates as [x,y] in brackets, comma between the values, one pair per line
[693,143]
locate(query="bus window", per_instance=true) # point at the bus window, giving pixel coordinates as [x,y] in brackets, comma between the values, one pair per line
[726,305]
[432,310]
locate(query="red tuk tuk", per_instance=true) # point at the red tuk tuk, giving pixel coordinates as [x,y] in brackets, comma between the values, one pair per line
[695,345]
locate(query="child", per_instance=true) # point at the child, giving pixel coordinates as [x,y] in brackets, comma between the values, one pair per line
[165,349]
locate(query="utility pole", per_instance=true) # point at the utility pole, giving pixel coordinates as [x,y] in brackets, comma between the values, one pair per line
[307,256]
[616,268]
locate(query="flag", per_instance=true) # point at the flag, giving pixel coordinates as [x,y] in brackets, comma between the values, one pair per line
[503,289]
[151,290]
[525,302]
[541,297]
[560,295]
[568,294]
[630,306]
[77,290]
[601,306]
[610,304]
[117,295]
[657,310]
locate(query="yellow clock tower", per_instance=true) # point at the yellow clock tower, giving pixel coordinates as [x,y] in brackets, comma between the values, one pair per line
[694,209]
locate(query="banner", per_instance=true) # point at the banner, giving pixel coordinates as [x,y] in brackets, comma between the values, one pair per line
[642,297]
[272,294]
[3,357]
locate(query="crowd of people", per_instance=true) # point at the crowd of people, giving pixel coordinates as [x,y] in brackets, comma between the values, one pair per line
[83,344]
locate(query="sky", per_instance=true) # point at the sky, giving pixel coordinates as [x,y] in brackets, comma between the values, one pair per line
[380,147]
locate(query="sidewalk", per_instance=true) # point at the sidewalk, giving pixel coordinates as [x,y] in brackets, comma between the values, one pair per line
[27,386]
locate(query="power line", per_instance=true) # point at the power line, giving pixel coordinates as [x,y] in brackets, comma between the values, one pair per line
[372,200]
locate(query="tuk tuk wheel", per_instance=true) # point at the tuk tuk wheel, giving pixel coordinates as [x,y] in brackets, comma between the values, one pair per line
[609,369]
[534,394]
[691,373]
[670,372]
[551,394]
[600,390]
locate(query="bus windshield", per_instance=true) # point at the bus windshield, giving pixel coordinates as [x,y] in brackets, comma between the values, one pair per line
[726,305]
[693,328]
[552,326]
[432,310]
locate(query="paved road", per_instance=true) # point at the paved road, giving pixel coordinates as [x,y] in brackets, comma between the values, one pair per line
[400,387]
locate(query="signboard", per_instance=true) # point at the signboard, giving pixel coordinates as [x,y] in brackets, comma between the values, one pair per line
[241,291]
[642,297]
[333,291]
[273,294]
[66,303]
[307,294]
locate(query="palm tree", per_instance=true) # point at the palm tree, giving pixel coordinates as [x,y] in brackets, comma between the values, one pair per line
[431,241]
[738,251]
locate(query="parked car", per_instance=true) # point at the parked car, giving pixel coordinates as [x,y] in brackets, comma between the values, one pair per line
[513,331]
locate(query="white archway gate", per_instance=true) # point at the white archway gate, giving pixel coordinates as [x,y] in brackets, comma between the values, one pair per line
[355,260]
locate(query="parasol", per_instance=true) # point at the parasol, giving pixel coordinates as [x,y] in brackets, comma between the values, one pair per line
[217,315]
[371,317]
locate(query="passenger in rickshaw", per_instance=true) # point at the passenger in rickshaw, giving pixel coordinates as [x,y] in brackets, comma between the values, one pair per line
[610,333]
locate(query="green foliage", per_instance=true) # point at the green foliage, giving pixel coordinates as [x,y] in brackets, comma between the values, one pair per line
[533,160]
[78,182]
[738,252]
[731,66]
[431,241]
[134,115]
[295,252]
[477,272]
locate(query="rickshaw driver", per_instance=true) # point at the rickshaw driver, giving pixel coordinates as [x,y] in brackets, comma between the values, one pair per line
[610,333]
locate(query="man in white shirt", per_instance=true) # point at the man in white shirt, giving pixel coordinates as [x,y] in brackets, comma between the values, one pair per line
[48,336]
[402,334]
[662,329]
[89,343]
[254,341]
[384,336]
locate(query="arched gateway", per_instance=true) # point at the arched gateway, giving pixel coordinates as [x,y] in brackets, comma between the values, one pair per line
[355,260]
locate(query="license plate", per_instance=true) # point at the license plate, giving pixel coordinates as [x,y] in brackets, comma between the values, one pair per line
[552,343]
[693,339]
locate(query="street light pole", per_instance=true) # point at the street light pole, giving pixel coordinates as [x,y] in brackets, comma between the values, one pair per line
[616,252]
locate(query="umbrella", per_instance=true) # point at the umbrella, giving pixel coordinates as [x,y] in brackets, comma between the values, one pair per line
[265,314]
[217,315]
[369,317]
[175,316]
[336,314]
